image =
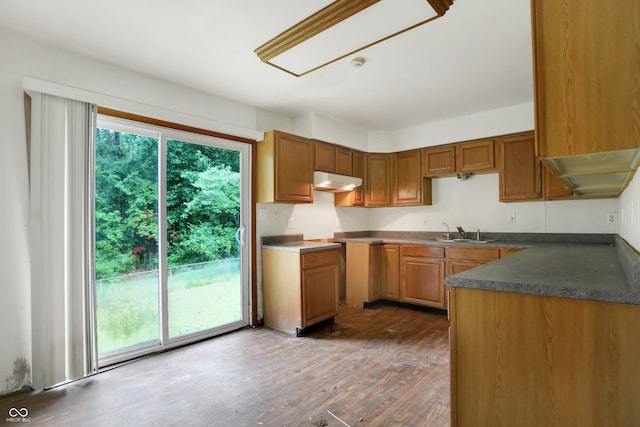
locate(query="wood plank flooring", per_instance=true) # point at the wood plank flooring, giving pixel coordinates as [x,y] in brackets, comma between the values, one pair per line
[382,366]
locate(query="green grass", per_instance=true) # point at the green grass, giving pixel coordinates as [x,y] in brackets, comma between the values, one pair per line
[200,297]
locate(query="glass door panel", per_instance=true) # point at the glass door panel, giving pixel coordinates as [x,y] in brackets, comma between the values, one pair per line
[126,240]
[204,280]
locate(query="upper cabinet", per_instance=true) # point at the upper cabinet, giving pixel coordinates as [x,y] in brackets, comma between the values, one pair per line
[410,189]
[285,168]
[344,161]
[475,156]
[378,179]
[587,91]
[439,160]
[333,159]
[519,168]
[325,157]
[522,177]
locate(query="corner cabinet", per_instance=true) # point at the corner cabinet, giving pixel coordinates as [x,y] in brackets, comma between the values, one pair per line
[378,180]
[285,168]
[522,176]
[410,189]
[299,288]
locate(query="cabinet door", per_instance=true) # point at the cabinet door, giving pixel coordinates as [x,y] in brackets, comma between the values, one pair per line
[344,161]
[319,294]
[519,168]
[391,272]
[455,267]
[475,156]
[409,189]
[378,180]
[439,161]
[359,161]
[422,281]
[293,169]
[325,157]
[586,68]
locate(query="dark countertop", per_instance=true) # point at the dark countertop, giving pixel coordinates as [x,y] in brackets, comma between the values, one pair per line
[590,267]
[295,243]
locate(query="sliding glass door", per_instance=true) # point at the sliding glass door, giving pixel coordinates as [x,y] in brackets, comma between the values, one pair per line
[171,210]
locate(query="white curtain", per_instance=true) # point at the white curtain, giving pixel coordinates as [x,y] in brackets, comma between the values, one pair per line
[61,236]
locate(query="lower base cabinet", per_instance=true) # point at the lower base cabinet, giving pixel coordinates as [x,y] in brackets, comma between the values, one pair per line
[422,271]
[299,288]
[530,360]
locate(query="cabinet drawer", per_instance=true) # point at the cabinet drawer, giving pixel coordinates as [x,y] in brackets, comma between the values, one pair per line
[476,254]
[321,257]
[422,251]
[509,251]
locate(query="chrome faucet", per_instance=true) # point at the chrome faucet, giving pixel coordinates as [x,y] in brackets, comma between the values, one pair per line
[446,235]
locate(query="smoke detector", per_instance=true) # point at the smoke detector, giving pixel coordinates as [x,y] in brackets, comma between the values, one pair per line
[358,62]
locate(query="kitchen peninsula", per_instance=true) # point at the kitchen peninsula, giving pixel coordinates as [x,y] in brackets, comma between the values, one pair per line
[549,335]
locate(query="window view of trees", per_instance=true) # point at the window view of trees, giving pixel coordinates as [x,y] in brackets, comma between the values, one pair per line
[202,203]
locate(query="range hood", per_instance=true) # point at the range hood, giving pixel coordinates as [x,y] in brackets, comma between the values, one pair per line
[604,174]
[332,182]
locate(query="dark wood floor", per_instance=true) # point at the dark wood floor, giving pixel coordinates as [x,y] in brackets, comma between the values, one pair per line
[383,366]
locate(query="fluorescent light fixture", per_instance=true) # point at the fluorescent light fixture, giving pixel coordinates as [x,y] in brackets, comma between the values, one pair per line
[343,28]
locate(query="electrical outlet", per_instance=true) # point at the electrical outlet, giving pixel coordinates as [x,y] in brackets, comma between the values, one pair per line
[611,218]
[290,223]
[513,218]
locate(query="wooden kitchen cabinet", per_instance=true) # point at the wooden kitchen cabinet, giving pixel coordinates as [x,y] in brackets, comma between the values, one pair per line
[299,288]
[439,161]
[378,180]
[504,252]
[476,156]
[411,188]
[519,169]
[523,177]
[333,159]
[530,360]
[586,67]
[325,157]
[391,288]
[365,272]
[344,161]
[285,168]
[460,259]
[422,271]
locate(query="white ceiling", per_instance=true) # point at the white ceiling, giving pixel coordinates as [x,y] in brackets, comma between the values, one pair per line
[475,58]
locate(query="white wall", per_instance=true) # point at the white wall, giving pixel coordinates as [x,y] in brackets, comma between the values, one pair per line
[474,204]
[629,213]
